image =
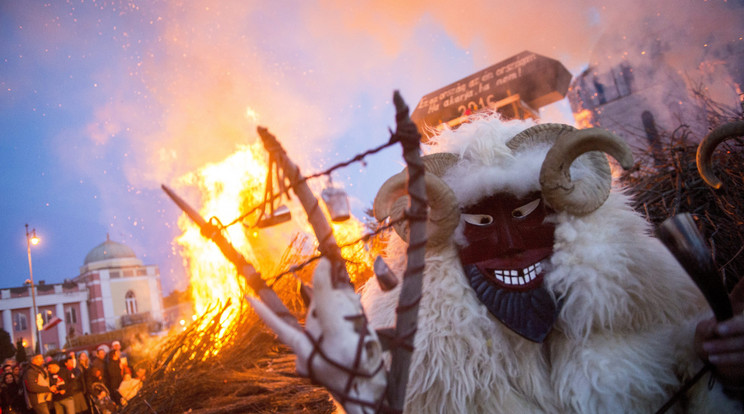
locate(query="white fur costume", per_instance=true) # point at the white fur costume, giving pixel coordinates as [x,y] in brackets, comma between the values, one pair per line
[623,339]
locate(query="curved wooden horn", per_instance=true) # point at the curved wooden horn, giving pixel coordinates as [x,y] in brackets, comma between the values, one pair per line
[392,200]
[708,145]
[587,194]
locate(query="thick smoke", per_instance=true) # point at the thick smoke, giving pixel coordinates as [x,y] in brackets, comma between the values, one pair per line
[165,86]
[174,80]
[304,69]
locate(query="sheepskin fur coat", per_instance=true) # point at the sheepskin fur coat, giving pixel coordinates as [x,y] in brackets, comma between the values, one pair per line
[623,340]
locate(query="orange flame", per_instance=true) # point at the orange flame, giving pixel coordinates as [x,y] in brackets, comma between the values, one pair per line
[229,189]
[584,119]
[225,187]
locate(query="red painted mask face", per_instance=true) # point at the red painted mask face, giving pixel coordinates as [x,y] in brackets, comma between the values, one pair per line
[508,238]
[507,241]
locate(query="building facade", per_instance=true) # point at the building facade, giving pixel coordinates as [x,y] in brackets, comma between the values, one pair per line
[114,289]
[68,301]
[122,290]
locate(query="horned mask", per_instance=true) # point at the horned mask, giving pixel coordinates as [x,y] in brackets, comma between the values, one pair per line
[514,292]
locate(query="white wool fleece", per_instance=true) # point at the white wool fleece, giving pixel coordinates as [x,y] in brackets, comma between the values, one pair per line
[622,342]
[612,275]
[623,338]
[464,361]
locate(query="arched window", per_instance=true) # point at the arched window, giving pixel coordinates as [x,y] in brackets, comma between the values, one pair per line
[131,303]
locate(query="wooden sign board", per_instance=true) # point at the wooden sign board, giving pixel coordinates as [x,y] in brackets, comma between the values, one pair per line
[520,85]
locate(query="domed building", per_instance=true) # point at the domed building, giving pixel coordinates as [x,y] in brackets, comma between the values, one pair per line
[113,290]
[122,290]
[102,255]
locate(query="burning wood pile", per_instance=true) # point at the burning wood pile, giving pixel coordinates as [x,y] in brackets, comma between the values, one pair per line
[251,372]
[676,186]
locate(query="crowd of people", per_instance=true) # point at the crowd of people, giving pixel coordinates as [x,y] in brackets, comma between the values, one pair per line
[76,383]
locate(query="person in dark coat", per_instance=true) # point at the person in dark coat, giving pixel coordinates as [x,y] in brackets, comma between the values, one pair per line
[114,375]
[74,378]
[95,376]
[99,360]
[11,399]
[61,398]
[37,386]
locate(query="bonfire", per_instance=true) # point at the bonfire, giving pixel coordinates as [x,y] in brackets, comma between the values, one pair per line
[227,361]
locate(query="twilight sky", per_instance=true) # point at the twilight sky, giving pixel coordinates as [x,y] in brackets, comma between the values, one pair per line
[102,101]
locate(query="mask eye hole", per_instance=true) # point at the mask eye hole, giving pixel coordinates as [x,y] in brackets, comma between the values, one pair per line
[525,210]
[478,219]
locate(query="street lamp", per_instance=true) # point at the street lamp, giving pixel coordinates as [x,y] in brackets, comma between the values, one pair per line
[31,238]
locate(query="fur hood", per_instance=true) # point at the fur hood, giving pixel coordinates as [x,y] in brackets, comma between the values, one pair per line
[487,165]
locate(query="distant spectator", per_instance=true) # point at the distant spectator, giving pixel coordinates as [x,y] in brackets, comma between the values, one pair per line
[11,400]
[20,351]
[71,355]
[128,388]
[116,345]
[74,378]
[113,374]
[17,373]
[38,388]
[61,398]
[100,360]
[83,361]
[84,367]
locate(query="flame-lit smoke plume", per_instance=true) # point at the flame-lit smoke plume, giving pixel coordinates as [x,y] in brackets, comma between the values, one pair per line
[152,91]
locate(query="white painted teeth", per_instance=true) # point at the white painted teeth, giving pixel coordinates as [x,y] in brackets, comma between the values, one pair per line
[513,277]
